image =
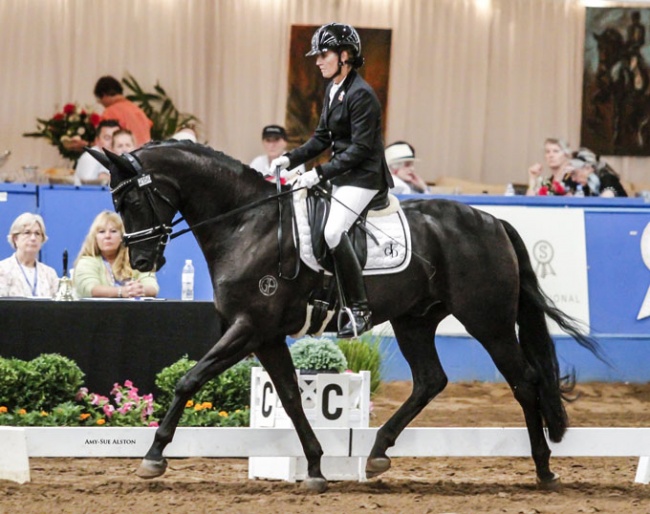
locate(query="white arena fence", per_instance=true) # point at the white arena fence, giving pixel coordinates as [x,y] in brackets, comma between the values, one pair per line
[18,444]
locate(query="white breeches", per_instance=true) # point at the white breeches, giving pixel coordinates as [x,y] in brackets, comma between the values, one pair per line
[347,204]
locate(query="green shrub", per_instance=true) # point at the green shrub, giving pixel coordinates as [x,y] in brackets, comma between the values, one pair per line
[228,392]
[10,380]
[55,379]
[364,354]
[318,354]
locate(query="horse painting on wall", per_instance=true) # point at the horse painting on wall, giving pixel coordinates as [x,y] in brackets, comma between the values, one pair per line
[616,85]
[306,87]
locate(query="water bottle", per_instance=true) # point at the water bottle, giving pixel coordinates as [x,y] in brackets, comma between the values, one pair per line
[187,282]
[510,190]
[579,192]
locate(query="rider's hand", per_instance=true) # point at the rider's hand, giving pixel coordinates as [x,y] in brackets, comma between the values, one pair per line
[309,179]
[282,162]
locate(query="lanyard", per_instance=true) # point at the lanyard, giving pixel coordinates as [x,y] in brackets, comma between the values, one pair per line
[109,268]
[29,284]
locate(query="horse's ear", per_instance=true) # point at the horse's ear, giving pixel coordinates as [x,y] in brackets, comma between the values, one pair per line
[99,157]
[120,168]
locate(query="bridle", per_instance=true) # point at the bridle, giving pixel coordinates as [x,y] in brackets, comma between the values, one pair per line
[163,231]
[160,230]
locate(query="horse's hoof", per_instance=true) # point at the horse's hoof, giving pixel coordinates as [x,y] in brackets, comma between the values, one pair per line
[151,468]
[376,466]
[315,484]
[549,484]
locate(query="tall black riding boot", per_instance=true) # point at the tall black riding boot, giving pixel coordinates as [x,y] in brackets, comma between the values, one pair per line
[348,270]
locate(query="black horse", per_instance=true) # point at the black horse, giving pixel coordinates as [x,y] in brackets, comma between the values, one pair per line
[465,262]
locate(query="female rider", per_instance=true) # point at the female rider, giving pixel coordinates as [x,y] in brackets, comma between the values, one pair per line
[350,124]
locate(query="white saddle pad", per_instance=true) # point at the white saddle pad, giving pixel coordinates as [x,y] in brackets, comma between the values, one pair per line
[389,226]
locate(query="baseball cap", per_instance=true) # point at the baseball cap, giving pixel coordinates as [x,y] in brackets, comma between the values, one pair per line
[274,131]
[399,152]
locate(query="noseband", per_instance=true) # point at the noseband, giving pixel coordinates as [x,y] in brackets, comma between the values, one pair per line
[160,230]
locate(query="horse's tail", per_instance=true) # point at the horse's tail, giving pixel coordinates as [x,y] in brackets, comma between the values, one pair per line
[536,342]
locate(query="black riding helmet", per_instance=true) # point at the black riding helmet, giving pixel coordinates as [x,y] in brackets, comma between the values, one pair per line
[337,37]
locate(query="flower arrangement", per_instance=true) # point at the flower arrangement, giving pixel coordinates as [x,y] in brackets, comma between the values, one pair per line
[69,130]
[551,187]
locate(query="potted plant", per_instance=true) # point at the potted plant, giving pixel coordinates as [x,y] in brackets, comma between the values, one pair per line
[313,355]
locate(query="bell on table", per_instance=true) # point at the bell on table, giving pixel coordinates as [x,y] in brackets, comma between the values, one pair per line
[64,291]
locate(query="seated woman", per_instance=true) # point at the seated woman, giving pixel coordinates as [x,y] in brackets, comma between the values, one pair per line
[102,268]
[556,154]
[22,274]
[594,175]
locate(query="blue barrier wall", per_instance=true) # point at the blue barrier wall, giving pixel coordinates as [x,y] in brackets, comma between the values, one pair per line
[618,275]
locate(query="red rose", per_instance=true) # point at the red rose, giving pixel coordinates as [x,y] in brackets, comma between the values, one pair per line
[558,188]
[69,108]
[58,116]
[542,191]
[95,119]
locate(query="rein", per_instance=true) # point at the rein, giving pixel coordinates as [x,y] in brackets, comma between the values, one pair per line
[163,231]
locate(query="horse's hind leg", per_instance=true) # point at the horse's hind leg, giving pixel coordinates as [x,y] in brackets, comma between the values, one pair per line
[523,380]
[276,359]
[415,337]
[234,345]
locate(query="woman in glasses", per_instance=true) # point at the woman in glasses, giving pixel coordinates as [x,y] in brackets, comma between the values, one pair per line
[22,274]
[103,269]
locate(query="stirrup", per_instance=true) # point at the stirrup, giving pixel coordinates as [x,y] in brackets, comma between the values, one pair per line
[359,321]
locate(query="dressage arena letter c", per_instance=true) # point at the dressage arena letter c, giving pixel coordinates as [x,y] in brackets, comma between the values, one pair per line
[338,391]
[267,409]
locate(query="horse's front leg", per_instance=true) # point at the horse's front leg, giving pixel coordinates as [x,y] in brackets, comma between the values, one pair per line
[234,345]
[276,359]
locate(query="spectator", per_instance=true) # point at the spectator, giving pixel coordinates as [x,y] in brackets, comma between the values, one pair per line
[556,154]
[102,268]
[400,157]
[274,141]
[88,170]
[122,142]
[594,175]
[109,93]
[185,133]
[22,274]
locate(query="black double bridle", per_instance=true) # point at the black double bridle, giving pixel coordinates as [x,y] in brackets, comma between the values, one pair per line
[163,231]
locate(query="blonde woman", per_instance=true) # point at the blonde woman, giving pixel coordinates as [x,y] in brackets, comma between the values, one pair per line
[557,154]
[102,269]
[22,274]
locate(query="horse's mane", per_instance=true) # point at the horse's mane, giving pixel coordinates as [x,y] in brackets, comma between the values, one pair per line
[221,160]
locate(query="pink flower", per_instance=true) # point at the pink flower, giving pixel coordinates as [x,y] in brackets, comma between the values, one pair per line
[153,424]
[81,394]
[126,407]
[97,399]
[128,384]
[108,410]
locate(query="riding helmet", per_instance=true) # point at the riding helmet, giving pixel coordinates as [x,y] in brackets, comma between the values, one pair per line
[333,36]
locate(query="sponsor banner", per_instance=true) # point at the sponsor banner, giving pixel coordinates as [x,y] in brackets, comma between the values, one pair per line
[618,245]
[555,239]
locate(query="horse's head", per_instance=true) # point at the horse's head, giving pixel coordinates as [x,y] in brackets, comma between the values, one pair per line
[146,210]
[611,46]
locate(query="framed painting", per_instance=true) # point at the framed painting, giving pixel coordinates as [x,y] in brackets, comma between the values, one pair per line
[306,87]
[616,82]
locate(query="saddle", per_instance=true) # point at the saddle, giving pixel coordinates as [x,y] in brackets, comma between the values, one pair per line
[380,237]
[318,209]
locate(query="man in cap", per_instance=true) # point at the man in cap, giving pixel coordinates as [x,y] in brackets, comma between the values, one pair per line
[400,157]
[274,141]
